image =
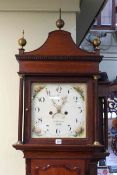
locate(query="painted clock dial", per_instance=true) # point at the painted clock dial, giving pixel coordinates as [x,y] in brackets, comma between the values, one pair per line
[58,110]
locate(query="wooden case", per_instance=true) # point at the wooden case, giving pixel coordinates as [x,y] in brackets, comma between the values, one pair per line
[59,60]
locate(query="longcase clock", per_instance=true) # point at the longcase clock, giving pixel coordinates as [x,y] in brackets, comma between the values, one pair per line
[58,129]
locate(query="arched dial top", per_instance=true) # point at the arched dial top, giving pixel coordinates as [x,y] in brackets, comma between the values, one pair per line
[58,110]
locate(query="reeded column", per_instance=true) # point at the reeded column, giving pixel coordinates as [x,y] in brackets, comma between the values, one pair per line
[20,119]
[96,112]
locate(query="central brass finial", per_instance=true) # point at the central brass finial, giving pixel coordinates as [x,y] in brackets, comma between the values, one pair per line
[60,23]
[22,41]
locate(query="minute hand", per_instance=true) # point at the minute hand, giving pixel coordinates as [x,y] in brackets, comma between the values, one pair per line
[59,107]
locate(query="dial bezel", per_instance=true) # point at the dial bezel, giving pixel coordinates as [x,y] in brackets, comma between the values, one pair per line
[57,79]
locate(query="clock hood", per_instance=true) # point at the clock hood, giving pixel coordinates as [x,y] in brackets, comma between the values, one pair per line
[59,43]
[59,54]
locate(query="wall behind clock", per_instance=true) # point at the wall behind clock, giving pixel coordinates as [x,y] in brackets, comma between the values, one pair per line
[36,26]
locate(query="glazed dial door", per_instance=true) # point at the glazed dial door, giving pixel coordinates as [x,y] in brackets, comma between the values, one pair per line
[58,110]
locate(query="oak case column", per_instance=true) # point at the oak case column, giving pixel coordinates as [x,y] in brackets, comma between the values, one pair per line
[96,112]
[93,168]
[20,120]
[28,166]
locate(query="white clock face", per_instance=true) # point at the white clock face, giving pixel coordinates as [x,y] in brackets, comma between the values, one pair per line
[58,110]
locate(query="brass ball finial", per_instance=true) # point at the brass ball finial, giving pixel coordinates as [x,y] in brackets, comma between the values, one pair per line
[96,43]
[22,41]
[60,23]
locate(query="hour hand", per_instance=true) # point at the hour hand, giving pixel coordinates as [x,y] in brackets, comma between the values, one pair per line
[59,106]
